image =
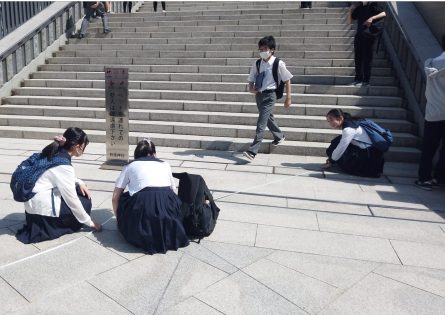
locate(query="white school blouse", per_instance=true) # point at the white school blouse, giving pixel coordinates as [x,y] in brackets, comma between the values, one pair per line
[356,136]
[268,81]
[56,183]
[140,174]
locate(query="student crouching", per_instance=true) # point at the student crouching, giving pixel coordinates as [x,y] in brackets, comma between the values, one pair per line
[149,213]
[352,151]
[61,203]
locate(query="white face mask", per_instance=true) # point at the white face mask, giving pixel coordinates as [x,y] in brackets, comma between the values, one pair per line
[265,54]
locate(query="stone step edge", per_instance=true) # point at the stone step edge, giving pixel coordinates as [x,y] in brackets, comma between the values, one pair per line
[215,92]
[154,136]
[191,113]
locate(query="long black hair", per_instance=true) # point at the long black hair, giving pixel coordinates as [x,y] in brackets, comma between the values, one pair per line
[338,113]
[144,148]
[73,136]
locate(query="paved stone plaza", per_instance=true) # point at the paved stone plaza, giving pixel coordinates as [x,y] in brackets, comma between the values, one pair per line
[289,240]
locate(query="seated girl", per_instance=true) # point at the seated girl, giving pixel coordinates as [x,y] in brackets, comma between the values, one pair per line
[62,202]
[352,151]
[149,213]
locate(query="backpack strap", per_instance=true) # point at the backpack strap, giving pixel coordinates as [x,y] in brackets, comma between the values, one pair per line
[275,70]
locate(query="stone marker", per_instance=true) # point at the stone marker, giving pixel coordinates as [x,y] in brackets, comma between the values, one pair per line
[116,117]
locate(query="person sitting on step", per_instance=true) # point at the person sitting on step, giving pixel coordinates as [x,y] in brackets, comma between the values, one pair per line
[62,202]
[90,8]
[352,151]
[149,214]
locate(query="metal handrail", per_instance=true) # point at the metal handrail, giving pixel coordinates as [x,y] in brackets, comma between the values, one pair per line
[15,13]
[410,62]
[35,36]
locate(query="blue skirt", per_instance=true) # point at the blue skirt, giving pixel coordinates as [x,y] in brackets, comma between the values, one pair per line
[152,220]
[39,228]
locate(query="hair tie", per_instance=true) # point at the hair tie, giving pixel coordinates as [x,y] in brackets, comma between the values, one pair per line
[60,140]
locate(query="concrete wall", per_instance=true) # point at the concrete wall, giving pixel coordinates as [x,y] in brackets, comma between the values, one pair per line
[434,15]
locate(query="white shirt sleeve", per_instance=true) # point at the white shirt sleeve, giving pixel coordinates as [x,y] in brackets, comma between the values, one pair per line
[123,180]
[253,73]
[65,181]
[283,73]
[346,137]
[172,180]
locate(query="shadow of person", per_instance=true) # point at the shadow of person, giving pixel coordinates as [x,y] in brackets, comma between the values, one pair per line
[12,222]
[226,155]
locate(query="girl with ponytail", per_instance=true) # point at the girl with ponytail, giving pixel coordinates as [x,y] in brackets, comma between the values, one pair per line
[352,151]
[61,203]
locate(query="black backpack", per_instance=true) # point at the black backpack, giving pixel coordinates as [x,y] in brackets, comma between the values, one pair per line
[280,86]
[198,208]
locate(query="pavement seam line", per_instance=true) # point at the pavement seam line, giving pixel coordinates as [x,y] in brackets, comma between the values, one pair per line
[211,306]
[168,284]
[302,273]
[12,287]
[108,296]
[277,293]
[410,285]
[393,248]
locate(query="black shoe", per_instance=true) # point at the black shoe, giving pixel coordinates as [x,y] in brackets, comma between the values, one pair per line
[80,36]
[365,83]
[277,142]
[250,155]
[107,31]
[426,185]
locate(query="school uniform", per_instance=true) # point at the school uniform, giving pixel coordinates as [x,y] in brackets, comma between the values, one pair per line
[57,208]
[434,127]
[266,99]
[353,152]
[149,213]
[363,45]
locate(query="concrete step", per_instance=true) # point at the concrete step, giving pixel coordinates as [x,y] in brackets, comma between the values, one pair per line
[204,106]
[140,124]
[249,119]
[399,154]
[221,25]
[177,39]
[239,12]
[295,70]
[252,53]
[380,63]
[229,31]
[326,99]
[211,86]
[80,44]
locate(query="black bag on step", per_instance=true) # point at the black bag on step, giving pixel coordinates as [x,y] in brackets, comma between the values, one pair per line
[198,208]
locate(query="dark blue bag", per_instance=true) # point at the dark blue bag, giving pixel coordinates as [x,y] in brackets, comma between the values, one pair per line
[28,172]
[381,138]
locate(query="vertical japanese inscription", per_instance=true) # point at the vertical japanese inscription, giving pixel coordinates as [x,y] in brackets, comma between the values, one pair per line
[116,115]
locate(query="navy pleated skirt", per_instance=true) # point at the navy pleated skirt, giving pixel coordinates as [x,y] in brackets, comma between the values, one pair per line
[152,220]
[39,228]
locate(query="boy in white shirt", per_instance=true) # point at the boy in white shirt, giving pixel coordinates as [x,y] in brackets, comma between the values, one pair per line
[265,91]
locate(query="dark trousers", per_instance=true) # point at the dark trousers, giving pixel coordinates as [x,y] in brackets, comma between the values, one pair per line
[306,4]
[363,52]
[155,5]
[433,134]
[130,5]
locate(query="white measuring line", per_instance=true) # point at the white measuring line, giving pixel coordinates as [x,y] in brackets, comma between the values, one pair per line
[75,240]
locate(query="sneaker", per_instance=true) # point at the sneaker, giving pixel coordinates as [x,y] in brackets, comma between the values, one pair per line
[365,83]
[107,31]
[80,36]
[426,185]
[356,83]
[163,11]
[249,155]
[277,142]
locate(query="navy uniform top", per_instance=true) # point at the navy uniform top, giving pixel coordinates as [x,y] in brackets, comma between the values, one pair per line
[364,12]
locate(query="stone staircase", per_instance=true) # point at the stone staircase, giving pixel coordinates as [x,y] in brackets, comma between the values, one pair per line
[188,71]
